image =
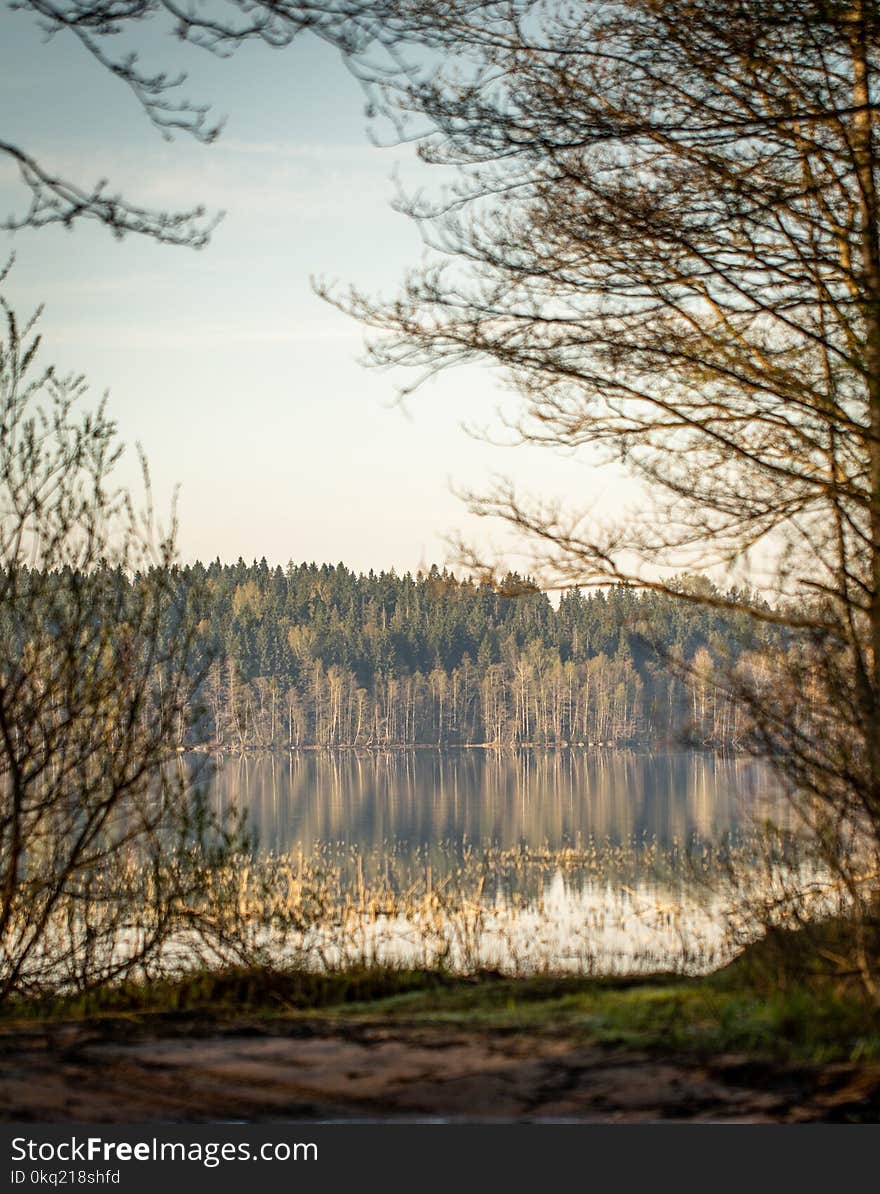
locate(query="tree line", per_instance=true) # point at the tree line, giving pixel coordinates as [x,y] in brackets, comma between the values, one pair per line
[312,655]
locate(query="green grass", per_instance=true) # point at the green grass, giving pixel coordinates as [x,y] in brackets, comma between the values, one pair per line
[775,1002]
[255,992]
[700,1017]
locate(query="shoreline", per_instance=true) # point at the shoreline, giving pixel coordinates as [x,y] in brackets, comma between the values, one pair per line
[488,747]
[386,1046]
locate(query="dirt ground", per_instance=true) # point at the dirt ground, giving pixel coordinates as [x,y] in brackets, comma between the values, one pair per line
[187,1070]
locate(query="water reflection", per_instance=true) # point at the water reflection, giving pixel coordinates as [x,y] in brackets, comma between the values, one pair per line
[460,857]
[417,799]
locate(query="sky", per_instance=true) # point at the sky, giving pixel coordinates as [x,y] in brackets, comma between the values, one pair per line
[246,391]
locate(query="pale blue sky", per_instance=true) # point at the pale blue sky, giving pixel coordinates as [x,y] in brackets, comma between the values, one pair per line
[241,385]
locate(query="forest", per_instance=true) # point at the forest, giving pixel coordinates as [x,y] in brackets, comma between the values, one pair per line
[317,656]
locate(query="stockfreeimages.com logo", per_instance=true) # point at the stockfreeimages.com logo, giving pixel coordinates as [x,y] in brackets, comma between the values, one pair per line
[209,1154]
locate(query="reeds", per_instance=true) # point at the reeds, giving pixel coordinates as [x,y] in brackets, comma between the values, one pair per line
[590,908]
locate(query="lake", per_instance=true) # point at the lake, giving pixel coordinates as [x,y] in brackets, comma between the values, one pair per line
[418,799]
[566,860]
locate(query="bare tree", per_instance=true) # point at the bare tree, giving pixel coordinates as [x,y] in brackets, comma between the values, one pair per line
[666,231]
[103,845]
[110,32]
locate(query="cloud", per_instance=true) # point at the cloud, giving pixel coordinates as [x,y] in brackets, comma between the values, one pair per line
[215,335]
[299,151]
[239,177]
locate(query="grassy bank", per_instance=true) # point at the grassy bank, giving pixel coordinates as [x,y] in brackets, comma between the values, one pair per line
[754,1007]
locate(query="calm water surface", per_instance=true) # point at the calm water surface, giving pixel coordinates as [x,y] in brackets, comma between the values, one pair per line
[491,831]
[416,800]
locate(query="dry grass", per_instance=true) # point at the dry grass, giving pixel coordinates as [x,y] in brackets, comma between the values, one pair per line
[591,908]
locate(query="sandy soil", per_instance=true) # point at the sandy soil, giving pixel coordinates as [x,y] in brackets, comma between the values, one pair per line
[187,1070]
